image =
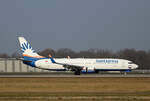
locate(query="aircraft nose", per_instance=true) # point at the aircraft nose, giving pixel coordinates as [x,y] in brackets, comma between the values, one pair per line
[136,66]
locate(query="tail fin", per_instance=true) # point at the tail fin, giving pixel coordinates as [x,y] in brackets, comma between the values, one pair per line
[27,49]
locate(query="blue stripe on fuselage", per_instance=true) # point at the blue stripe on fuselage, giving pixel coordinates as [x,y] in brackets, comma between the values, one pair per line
[126,70]
[31,59]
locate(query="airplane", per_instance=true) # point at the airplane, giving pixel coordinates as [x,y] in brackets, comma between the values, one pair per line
[77,65]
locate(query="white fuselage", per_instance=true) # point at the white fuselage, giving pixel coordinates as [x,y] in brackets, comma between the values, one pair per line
[88,64]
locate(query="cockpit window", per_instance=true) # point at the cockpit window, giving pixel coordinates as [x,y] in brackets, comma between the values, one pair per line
[130,62]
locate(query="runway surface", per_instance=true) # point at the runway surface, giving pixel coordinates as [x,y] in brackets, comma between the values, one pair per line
[71,75]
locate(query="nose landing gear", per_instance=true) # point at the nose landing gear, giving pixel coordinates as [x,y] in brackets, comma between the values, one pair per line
[77,72]
[123,72]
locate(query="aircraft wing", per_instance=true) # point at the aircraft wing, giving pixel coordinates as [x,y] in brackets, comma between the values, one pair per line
[69,66]
[72,67]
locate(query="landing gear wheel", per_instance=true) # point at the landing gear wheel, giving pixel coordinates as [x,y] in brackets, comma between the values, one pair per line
[96,71]
[77,72]
[124,73]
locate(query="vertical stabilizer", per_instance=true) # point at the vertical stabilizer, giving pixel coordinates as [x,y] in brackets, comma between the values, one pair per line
[27,49]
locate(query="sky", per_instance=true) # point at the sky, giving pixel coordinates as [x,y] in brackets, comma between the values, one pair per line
[75,24]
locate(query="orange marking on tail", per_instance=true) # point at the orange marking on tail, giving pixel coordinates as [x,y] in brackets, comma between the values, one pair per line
[33,56]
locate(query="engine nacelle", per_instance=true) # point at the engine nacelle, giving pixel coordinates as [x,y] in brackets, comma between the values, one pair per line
[88,70]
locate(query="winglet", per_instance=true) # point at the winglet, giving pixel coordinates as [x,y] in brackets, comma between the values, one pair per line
[50,55]
[68,57]
[53,61]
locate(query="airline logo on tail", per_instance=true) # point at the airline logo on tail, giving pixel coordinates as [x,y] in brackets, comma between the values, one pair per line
[26,46]
[27,49]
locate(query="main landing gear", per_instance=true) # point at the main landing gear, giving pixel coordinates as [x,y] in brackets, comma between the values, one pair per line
[77,72]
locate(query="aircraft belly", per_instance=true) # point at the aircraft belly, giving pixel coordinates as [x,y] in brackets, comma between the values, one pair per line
[108,66]
[48,65]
